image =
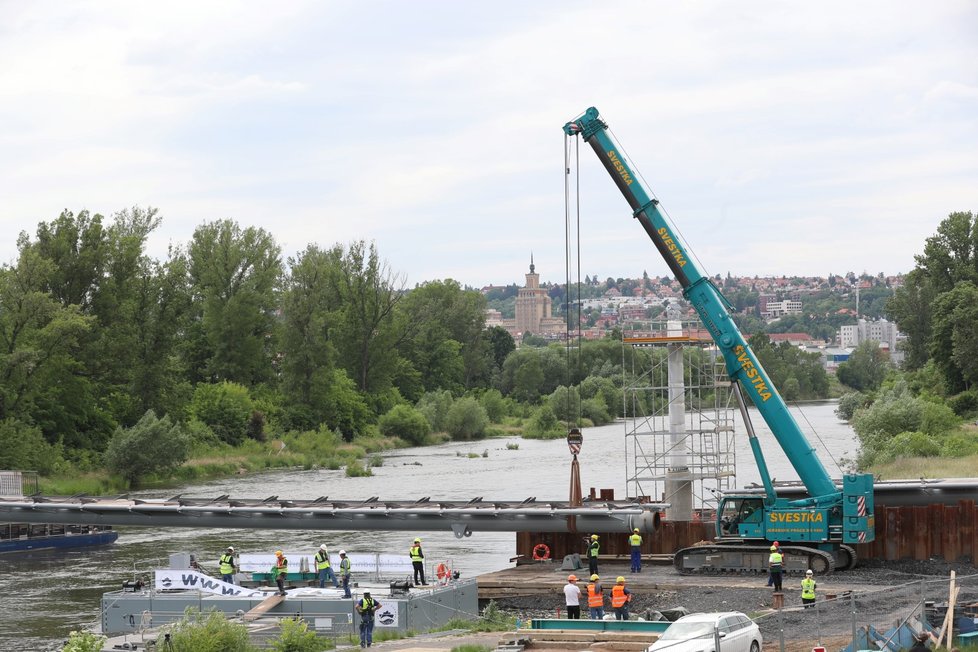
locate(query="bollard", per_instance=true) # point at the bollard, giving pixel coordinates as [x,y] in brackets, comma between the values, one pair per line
[778,601]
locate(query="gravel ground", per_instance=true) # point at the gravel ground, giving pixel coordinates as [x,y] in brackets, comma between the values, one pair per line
[888,592]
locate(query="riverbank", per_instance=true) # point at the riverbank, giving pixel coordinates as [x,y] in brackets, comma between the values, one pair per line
[294,450]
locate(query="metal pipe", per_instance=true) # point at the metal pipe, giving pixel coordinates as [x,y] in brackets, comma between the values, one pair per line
[598,518]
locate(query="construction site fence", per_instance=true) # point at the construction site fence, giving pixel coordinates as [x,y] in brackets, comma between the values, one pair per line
[883,619]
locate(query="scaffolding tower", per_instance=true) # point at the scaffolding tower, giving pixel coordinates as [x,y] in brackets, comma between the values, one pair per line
[679,418]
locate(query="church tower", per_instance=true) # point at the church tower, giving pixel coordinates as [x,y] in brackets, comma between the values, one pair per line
[532,304]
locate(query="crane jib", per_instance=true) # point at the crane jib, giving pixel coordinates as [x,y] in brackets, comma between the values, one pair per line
[752,373]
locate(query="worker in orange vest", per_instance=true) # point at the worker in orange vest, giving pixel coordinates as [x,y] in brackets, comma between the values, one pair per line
[620,597]
[595,598]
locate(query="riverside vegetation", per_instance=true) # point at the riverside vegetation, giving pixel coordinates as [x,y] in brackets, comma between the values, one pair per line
[920,421]
[119,370]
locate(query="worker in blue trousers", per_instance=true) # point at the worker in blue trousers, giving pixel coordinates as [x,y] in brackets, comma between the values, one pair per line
[635,541]
[367,607]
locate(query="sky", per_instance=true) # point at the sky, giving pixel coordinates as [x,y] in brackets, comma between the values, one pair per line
[781,138]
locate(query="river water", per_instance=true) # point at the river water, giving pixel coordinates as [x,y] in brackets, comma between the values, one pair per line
[45,595]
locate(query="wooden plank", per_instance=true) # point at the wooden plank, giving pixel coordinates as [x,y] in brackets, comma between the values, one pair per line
[263,607]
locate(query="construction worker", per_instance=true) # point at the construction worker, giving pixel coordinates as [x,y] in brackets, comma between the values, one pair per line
[280,570]
[227,565]
[635,541]
[808,589]
[417,560]
[345,566]
[620,597]
[770,579]
[595,598]
[592,555]
[572,598]
[324,568]
[367,607]
[774,562]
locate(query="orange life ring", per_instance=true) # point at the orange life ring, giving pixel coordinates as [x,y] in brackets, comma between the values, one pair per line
[442,572]
[541,551]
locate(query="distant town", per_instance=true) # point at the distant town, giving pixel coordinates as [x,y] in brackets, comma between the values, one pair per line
[829,315]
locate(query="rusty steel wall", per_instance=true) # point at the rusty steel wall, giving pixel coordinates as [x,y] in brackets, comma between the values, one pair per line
[923,532]
[948,532]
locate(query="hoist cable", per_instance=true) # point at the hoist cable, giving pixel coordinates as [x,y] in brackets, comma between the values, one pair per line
[567,277]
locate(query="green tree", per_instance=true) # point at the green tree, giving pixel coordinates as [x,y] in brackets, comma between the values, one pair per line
[42,379]
[23,447]
[442,335]
[848,404]
[543,424]
[151,446]
[566,404]
[950,256]
[308,355]
[528,379]
[493,403]
[954,336]
[405,422]
[466,419]
[225,408]
[866,367]
[434,406]
[364,333]
[235,274]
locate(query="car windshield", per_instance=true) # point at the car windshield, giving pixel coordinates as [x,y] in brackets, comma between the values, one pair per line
[683,631]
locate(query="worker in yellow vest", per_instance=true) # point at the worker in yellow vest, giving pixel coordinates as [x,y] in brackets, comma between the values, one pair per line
[227,566]
[595,598]
[593,548]
[808,589]
[324,568]
[280,571]
[635,541]
[620,597]
[417,560]
[774,562]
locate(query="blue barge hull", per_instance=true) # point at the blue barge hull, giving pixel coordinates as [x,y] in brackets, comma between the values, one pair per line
[49,542]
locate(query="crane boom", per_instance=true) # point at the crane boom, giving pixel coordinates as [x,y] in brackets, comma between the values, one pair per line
[827,523]
[711,306]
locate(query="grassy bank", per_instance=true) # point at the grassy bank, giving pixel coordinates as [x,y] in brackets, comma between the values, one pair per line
[912,468]
[321,450]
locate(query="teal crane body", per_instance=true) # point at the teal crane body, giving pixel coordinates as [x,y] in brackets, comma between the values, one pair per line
[818,518]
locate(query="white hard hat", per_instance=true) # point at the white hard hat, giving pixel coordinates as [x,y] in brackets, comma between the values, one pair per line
[231,548]
[322,547]
[808,572]
[342,552]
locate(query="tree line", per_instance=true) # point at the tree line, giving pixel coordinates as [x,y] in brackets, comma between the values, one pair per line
[111,358]
[924,408]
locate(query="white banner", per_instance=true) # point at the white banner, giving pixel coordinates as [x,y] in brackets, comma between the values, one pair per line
[188,579]
[386,616]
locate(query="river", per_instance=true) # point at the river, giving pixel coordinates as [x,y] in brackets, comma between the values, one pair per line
[45,595]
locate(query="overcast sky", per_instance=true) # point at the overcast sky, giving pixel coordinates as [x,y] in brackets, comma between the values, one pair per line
[782,138]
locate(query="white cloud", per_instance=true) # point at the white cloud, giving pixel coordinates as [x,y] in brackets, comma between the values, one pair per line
[434,129]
